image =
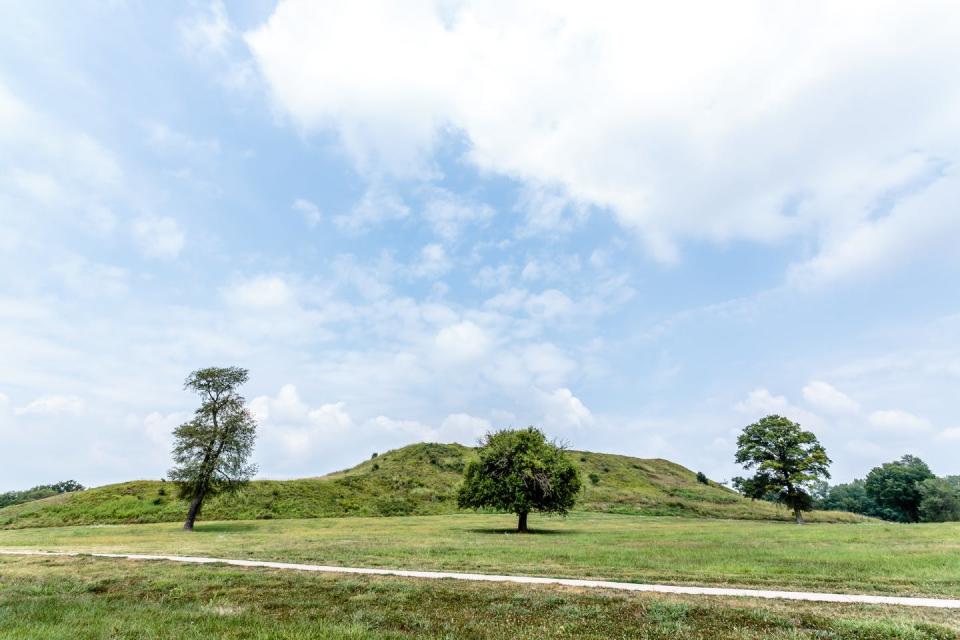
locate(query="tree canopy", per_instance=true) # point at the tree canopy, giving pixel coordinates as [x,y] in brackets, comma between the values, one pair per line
[939,500]
[211,451]
[788,462]
[520,471]
[895,488]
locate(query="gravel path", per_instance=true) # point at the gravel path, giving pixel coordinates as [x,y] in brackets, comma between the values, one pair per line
[939,603]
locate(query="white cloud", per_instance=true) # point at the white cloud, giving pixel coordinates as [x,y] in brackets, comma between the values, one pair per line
[295,427]
[953,433]
[760,403]
[433,262]
[377,205]
[158,237]
[412,428]
[86,278]
[209,37]
[164,139]
[635,109]
[899,421]
[463,342]
[159,427]
[53,405]
[449,213]
[825,396]
[310,212]
[260,292]
[463,428]
[563,410]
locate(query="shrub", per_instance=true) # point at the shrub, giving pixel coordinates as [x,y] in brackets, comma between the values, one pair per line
[702,478]
[594,478]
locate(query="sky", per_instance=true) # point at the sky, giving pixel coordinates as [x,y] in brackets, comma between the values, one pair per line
[639,227]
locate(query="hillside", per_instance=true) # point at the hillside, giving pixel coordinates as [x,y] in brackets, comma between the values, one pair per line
[419,479]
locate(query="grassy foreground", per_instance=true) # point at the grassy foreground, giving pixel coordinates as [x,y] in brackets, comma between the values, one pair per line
[420,479]
[84,598]
[866,557]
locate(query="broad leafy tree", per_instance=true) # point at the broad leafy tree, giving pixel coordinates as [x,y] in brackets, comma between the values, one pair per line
[939,500]
[895,488]
[520,471]
[787,460]
[211,452]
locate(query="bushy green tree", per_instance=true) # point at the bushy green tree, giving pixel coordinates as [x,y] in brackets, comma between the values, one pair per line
[852,497]
[939,500]
[788,462]
[211,451]
[520,471]
[895,488]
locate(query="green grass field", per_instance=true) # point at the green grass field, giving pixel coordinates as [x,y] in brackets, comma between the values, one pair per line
[865,557]
[420,479]
[83,598]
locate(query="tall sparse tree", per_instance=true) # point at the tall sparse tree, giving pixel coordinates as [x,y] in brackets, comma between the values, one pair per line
[788,461]
[520,471]
[211,451]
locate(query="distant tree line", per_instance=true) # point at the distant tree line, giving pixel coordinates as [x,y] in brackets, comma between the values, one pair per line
[38,492]
[904,490]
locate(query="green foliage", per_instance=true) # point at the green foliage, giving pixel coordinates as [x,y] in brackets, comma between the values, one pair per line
[211,451]
[894,487]
[39,492]
[852,497]
[702,478]
[939,500]
[788,462]
[595,478]
[520,471]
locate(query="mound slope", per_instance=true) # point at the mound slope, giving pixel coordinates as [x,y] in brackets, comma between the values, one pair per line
[420,479]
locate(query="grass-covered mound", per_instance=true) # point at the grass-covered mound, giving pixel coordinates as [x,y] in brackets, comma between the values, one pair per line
[419,479]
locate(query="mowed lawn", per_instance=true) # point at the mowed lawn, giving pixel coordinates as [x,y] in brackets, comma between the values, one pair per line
[85,598]
[867,557]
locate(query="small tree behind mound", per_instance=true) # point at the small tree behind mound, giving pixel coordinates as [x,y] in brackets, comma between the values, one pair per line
[520,471]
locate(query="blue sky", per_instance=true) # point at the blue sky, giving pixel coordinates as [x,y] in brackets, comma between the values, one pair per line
[422,220]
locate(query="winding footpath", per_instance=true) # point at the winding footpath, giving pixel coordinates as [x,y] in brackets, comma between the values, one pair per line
[938,603]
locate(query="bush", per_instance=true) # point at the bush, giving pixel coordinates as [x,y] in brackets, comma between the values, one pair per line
[594,478]
[375,454]
[376,466]
[702,478]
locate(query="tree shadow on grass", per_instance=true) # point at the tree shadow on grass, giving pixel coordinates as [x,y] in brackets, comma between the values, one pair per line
[530,532]
[223,527]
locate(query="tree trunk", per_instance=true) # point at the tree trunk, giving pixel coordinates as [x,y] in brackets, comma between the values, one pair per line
[522,522]
[797,514]
[193,512]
